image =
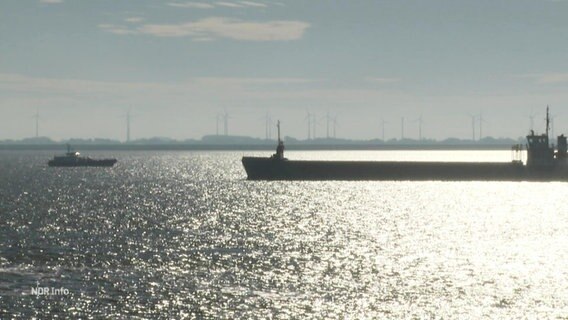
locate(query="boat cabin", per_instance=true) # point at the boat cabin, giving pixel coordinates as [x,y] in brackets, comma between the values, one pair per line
[539,151]
[279,155]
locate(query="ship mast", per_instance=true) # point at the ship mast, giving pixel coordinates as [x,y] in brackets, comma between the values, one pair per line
[547,121]
[280,148]
[278,126]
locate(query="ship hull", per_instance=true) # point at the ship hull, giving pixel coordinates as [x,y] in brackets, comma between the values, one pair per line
[278,169]
[82,163]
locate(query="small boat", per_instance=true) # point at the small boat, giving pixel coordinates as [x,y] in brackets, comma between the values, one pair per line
[74,159]
[545,162]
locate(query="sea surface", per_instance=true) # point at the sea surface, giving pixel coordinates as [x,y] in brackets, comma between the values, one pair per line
[175,235]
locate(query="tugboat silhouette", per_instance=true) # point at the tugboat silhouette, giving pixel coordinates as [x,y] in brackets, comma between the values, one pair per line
[74,159]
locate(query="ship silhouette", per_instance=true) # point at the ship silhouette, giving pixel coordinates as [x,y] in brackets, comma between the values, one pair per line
[74,159]
[544,163]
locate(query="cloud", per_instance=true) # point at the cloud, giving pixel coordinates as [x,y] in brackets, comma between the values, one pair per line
[229,4]
[194,5]
[547,78]
[27,84]
[219,27]
[253,4]
[50,1]
[134,19]
[553,78]
[244,82]
[383,80]
[203,39]
[116,29]
[226,4]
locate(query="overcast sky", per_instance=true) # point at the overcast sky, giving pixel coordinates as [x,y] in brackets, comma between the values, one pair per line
[177,64]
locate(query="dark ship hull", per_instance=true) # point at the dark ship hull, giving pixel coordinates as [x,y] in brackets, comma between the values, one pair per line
[73,159]
[82,162]
[544,163]
[282,169]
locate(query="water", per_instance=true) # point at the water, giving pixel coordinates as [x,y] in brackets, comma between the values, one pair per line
[184,235]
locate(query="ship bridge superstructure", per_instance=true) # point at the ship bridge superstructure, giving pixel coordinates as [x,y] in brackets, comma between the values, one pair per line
[540,153]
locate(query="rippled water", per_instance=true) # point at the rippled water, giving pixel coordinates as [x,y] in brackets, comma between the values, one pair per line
[183,234]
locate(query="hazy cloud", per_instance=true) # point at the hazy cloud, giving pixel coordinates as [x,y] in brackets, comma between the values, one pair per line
[219,27]
[229,4]
[233,81]
[382,80]
[547,78]
[22,83]
[194,5]
[116,29]
[253,4]
[553,78]
[134,19]
[226,4]
[203,39]
[50,1]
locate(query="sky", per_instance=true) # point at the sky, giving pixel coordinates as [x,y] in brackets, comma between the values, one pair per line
[176,65]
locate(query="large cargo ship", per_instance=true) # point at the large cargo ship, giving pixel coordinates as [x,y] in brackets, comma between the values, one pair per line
[545,162]
[74,159]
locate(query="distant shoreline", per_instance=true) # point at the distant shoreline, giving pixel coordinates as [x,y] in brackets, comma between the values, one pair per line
[242,147]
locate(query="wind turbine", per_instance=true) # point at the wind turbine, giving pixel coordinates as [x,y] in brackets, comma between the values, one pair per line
[401,128]
[420,122]
[309,119]
[383,125]
[481,121]
[472,127]
[128,118]
[226,118]
[218,119]
[334,127]
[128,125]
[36,117]
[314,124]
[268,126]
[328,119]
